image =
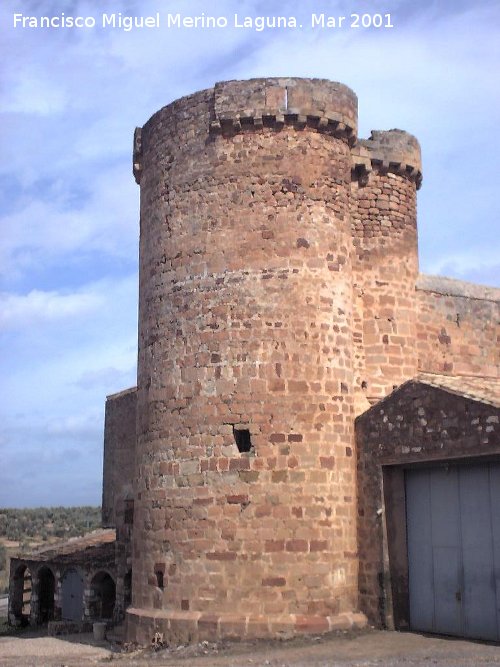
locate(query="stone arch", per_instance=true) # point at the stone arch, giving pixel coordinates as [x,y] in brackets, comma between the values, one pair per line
[72,588]
[102,595]
[45,588]
[20,604]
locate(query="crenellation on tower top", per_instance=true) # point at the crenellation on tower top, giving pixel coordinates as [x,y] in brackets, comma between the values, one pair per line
[394,151]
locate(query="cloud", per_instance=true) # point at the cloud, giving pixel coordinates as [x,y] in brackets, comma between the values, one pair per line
[464,263]
[18,311]
[104,378]
[62,220]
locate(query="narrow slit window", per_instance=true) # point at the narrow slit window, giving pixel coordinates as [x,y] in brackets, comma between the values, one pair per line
[128,517]
[242,439]
[159,579]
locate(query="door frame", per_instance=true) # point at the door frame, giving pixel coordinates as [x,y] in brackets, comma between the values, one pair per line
[395,597]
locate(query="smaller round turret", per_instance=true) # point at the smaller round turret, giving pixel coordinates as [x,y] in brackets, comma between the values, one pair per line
[394,151]
[386,171]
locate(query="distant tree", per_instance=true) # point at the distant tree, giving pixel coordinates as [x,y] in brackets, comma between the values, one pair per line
[46,522]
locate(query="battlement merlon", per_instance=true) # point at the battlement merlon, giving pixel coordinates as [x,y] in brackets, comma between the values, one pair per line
[137,155]
[394,151]
[327,106]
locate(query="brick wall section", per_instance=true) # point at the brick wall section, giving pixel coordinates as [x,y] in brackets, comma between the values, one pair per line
[278,265]
[385,264]
[118,485]
[245,321]
[119,455]
[458,328]
[416,423]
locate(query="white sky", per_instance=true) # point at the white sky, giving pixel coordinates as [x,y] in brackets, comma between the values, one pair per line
[69,102]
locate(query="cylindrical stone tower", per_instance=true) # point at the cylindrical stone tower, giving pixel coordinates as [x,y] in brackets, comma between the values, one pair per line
[245,521]
[386,175]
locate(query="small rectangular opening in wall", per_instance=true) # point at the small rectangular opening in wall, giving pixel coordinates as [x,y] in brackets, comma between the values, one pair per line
[242,440]
[128,516]
[159,579]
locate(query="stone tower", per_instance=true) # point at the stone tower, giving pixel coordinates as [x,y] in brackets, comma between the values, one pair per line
[271,239]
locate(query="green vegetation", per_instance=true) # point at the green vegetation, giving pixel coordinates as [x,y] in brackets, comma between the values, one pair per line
[21,529]
[47,523]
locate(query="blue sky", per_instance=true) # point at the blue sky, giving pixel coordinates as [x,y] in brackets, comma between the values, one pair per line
[69,102]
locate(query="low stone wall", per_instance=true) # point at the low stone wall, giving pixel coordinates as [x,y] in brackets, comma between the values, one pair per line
[146,626]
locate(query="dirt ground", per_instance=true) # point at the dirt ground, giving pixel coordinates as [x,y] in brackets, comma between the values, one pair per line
[363,649]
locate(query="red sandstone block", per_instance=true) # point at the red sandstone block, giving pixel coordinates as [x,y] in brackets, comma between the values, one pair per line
[274,581]
[295,437]
[239,464]
[203,501]
[277,437]
[263,510]
[223,464]
[276,385]
[274,545]
[297,386]
[297,545]
[240,499]
[312,624]
[327,462]
[221,555]
[318,545]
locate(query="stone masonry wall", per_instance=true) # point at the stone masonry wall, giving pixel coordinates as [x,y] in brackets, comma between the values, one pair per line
[416,423]
[279,297]
[119,456]
[386,176]
[458,331]
[383,220]
[118,486]
[245,323]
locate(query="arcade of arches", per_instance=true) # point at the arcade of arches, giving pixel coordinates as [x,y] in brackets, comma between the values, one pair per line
[80,583]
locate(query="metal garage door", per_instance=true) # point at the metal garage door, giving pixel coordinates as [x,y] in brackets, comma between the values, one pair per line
[453,524]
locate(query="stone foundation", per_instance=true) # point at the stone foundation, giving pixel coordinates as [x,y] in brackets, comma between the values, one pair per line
[177,627]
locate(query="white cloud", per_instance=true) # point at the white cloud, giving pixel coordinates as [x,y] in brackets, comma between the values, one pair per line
[19,311]
[465,262]
[48,229]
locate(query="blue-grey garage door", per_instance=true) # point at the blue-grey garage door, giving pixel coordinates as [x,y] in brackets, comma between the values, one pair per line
[453,524]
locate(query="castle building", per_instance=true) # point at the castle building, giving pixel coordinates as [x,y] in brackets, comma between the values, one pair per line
[313,440]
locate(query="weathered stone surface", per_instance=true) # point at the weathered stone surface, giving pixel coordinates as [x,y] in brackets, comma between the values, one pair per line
[279,298]
[433,418]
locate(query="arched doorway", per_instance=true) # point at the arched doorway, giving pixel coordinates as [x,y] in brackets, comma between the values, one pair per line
[46,589]
[72,595]
[102,596]
[20,605]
